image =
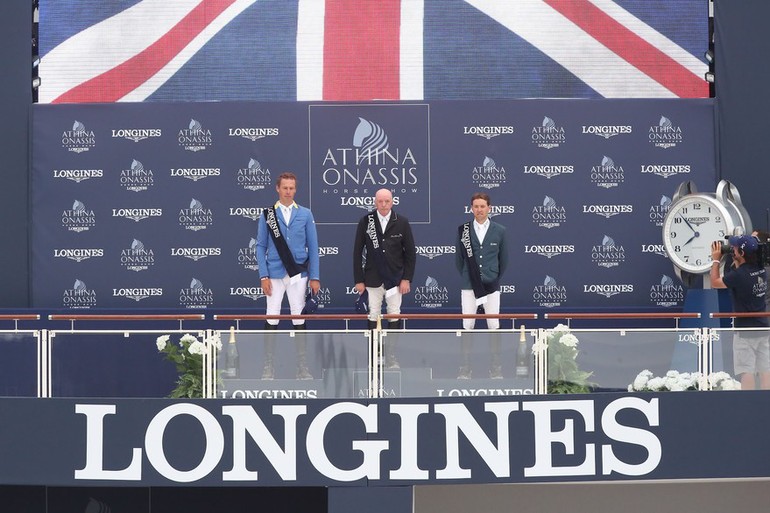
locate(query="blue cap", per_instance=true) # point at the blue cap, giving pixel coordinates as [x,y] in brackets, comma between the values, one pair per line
[311,303]
[746,243]
[362,303]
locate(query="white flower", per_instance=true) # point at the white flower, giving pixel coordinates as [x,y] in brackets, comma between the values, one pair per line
[672,374]
[187,339]
[538,347]
[677,386]
[197,347]
[561,328]
[569,340]
[641,380]
[162,341]
[716,377]
[656,384]
[216,340]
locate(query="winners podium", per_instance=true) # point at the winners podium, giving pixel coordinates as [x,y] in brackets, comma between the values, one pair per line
[425,363]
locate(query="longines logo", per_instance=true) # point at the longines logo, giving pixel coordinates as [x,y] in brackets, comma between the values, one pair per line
[550,294]
[431,295]
[269,393]
[328,250]
[495,210]
[489,175]
[362,202]
[195,173]
[136,178]
[194,138]
[608,289]
[79,218]
[196,217]
[487,132]
[607,174]
[607,131]
[657,213]
[476,392]
[667,293]
[656,249]
[548,135]
[549,214]
[78,254]
[137,293]
[549,250]
[608,210]
[252,133]
[137,257]
[296,449]
[136,134]
[79,296]
[249,292]
[431,252]
[247,257]
[78,175]
[608,253]
[549,171]
[665,134]
[137,214]
[666,170]
[252,213]
[507,289]
[370,162]
[195,254]
[253,177]
[196,295]
[79,139]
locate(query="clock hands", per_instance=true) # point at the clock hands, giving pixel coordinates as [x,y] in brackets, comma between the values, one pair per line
[688,224]
[695,234]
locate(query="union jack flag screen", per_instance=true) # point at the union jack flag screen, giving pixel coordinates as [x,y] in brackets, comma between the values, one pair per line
[353,50]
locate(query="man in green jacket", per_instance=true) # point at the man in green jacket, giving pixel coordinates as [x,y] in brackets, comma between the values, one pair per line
[481,258]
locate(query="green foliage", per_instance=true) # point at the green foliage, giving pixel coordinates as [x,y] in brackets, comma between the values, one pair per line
[564,375]
[187,357]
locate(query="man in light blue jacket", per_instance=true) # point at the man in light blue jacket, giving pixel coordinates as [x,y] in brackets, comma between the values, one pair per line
[287,253]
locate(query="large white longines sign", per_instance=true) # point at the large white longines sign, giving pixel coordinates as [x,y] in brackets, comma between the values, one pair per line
[232,432]
[385,442]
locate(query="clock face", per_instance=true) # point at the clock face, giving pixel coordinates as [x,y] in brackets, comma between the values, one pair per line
[691,225]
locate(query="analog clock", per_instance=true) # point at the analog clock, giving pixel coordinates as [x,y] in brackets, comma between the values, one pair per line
[692,223]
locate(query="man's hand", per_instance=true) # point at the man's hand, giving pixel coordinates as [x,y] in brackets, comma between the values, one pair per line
[315,286]
[267,286]
[716,250]
[360,287]
[404,287]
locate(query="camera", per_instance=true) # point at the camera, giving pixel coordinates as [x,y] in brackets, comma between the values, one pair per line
[763,251]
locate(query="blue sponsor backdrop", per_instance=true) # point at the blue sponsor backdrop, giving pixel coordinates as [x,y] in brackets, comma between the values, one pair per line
[155,206]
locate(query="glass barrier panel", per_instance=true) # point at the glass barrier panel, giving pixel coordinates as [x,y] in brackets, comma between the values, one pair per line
[109,364]
[441,363]
[293,365]
[741,353]
[18,364]
[612,360]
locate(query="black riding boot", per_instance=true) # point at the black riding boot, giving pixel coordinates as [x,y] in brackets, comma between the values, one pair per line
[268,370]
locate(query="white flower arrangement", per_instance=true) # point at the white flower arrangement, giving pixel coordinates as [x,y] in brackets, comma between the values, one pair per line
[188,359]
[564,375]
[675,381]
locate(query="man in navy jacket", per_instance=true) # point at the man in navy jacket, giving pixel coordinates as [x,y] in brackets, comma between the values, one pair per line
[387,269]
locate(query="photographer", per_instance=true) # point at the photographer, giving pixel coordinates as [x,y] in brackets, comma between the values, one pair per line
[747,281]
